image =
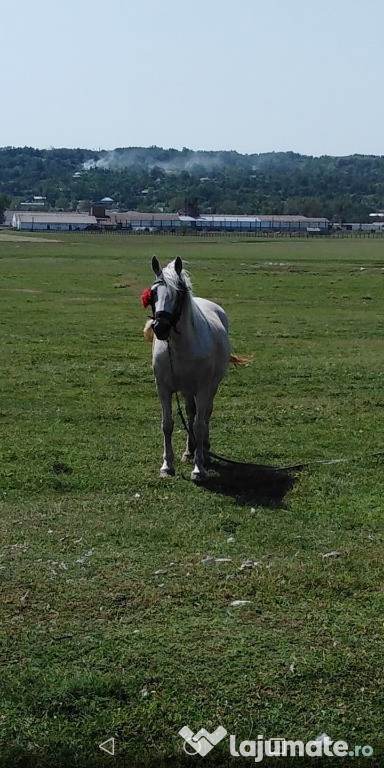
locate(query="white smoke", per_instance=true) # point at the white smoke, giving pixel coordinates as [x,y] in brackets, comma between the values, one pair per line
[120,159]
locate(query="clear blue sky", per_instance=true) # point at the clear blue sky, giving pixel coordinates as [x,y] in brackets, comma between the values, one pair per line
[301,75]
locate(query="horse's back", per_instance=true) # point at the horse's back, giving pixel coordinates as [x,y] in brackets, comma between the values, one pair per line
[212,311]
[218,322]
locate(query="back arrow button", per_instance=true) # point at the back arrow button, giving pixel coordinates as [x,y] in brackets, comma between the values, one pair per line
[108,746]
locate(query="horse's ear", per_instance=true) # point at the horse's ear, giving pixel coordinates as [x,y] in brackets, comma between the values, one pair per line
[156,266]
[178,265]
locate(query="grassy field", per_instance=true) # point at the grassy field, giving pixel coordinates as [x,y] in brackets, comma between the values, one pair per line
[111,624]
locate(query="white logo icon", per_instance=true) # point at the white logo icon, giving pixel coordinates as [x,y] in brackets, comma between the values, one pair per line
[201,742]
[108,746]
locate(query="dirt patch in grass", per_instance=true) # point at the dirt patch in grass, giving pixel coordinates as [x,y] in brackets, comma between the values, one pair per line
[21,290]
[25,238]
[130,282]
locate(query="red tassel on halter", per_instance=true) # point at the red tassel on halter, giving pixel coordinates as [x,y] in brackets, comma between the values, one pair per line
[146,298]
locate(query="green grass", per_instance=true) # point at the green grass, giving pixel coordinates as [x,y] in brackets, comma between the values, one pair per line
[96,644]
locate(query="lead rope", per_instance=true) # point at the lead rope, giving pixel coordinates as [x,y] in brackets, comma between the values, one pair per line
[269,467]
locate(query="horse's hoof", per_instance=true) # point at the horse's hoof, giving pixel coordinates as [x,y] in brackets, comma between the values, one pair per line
[167,472]
[186,457]
[196,476]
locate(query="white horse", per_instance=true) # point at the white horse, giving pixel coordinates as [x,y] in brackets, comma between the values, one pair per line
[190,355]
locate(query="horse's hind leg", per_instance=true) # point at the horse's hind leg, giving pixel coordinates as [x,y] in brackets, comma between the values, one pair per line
[167,468]
[191,413]
[207,442]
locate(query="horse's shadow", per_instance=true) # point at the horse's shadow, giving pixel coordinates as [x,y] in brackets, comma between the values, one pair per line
[249,483]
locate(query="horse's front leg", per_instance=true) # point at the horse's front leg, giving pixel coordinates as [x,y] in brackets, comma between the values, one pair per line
[203,407]
[167,468]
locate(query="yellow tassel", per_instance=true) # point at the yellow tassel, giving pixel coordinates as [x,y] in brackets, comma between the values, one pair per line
[148,332]
[239,360]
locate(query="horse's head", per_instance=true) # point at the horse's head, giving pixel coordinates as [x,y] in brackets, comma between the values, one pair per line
[167,294]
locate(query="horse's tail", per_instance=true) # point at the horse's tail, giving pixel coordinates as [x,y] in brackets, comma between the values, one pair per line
[239,360]
[148,331]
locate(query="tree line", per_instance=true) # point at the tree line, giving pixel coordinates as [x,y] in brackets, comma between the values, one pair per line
[158,180]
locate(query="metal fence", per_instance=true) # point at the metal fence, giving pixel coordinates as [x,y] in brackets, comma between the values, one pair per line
[253,234]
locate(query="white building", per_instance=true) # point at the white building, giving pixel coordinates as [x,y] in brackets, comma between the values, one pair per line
[373,226]
[259,223]
[217,222]
[140,221]
[171,222]
[32,221]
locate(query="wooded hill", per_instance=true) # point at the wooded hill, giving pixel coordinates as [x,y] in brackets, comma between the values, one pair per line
[155,179]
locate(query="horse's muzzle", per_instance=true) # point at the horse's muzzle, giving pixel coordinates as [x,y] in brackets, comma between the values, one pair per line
[162,327]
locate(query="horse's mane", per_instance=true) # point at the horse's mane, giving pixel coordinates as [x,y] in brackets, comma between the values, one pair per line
[173,280]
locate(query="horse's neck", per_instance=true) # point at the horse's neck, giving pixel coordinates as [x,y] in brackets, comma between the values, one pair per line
[188,326]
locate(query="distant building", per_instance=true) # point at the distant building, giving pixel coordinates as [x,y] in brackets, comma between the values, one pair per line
[36,202]
[373,226]
[141,221]
[57,222]
[216,222]
[137,221]
[259,223]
